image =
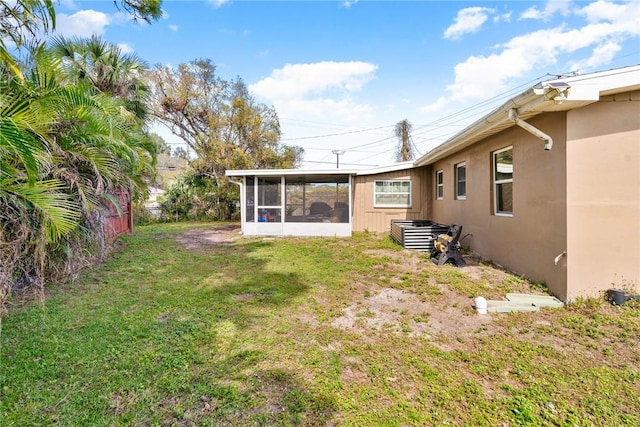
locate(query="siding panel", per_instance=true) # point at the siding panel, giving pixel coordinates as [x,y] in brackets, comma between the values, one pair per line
[369,218]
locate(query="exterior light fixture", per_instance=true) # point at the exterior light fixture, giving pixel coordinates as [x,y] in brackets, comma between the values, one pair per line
[556,91]
[559,98]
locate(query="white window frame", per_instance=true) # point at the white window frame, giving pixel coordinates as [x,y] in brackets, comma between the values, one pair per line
[391,205]
[457,189]
[439,184]
[496,182]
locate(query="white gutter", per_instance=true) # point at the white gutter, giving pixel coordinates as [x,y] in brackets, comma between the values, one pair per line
[288,172]
[548,141]
[525,101]
[585,89]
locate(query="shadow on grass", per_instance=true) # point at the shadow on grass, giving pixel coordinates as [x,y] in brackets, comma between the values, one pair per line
[159,334]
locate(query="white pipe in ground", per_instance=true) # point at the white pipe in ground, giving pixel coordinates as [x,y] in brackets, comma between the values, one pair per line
[481,305]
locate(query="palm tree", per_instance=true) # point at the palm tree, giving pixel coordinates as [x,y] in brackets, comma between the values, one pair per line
[63,150]
[107,69]
[119,78]
[21,20]
[65,142]
[35,209]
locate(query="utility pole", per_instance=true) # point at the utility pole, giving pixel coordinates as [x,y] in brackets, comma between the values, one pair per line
[338,153]
[405,150]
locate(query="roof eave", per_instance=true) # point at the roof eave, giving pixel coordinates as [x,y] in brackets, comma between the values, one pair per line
[471,134]
[533,102]
[287,172]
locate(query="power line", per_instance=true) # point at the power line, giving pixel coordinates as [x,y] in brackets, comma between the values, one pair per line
[335,134]
[462,115]
[331,149]
[481,105]
[331,163]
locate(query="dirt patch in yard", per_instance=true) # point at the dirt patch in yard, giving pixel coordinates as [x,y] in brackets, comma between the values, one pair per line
[439,309]
[402,312]
[198,239]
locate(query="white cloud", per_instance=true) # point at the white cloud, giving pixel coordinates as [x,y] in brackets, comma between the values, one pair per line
[601,55]
[125,48]
[173,27]
[505,17]
[322,90]
[348,3]
[468,21]
[482,77]
[121,18]
[83,23]
[607,11]
[551,8]
[219,3]
[299,80]
[439,104]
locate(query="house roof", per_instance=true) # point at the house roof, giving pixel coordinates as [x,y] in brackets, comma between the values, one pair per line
[309,172]
[554,95]
[288,172]
[561,94]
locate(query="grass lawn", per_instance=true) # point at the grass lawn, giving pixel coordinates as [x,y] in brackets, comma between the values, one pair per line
[182,327]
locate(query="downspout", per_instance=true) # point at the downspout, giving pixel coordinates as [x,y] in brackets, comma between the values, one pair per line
[548,141]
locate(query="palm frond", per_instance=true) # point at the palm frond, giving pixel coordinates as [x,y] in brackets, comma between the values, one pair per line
[58,212]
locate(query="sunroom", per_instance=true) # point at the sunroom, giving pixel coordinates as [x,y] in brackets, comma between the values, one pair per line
[293,202]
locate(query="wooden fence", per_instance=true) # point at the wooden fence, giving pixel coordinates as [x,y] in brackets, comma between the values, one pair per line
[119,222]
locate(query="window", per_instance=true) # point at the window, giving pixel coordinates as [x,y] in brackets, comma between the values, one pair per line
[439,185]
[269,199]
[250,199]
[317,199]
[392,194]
[461,181]
[503,181]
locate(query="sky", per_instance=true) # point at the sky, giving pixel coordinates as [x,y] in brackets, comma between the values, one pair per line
[342,74]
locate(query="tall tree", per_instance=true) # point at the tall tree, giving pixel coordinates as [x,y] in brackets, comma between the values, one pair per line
[107,69]
[147,10]
[63,145]
[162,146]
[119,78]
[23,20]
[405,150]
[20,21]
[219,120]
[63,148]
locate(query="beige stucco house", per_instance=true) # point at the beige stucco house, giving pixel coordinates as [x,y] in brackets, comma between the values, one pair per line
[547,185]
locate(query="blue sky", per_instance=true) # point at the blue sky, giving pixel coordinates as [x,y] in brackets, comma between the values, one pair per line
[341,74]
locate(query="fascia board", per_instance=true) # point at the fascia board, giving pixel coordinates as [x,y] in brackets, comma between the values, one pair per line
[585,89]
[390,168]
[467,136]
[287,172]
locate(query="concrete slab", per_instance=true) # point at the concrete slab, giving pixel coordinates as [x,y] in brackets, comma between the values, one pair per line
[494,306]
[537,300]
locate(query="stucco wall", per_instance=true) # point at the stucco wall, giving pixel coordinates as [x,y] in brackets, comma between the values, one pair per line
[527,242]
[368,217]
[603,195]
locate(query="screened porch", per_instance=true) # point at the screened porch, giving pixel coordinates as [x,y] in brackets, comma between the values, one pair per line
[297,205]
